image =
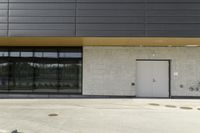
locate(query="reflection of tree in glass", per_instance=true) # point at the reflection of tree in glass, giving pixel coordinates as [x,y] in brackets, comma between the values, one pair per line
[69,76]
[3,75]
[22,75]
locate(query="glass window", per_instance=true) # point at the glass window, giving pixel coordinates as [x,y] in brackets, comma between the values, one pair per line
[51,54]
[39,54]
[41,70]
[3,75]
[26,54]
[15,54]
[21,75]
[46,76]
[3,54]
[70,55]
[70,76]
[46,54]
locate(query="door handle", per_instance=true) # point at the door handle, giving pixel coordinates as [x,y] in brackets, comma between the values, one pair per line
[154,80]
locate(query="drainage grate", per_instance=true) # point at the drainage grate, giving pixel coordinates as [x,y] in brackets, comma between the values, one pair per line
[53,114]
[15,131]
[170,106]
[186,108]
[154,104]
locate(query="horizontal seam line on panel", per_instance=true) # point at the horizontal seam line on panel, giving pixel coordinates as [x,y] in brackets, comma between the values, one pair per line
[41,22]
[174,30]
[114,9]
[81,9]
[38,2]
[174,16]
[140,23]
[112,16]
[114,23]
[28,15]
[40,16]
[140,2]
[43,29]
[109,30]
[173,9]
[173,22]
[41,9]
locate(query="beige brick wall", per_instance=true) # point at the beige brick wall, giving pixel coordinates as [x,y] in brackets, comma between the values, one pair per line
[110,70]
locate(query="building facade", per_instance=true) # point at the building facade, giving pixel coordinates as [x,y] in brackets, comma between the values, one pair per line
[128,48]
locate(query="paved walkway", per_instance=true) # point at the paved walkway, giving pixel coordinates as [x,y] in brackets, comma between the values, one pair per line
[100,116]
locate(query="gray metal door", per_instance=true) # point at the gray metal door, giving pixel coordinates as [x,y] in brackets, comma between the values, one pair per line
[152,79]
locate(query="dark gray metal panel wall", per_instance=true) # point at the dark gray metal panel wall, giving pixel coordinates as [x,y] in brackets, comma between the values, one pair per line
[42,18]
[3,17]
[100,18]
[173,18]
[110,18]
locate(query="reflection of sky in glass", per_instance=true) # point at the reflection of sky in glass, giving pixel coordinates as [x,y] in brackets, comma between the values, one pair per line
[46,65]
[3,54]
[26,54]
[51,65]
[46,54]
[38,54]
[31,64]
[70,55]
[14,54]
[42,54]
[51,54]
[66,65]
[3,64]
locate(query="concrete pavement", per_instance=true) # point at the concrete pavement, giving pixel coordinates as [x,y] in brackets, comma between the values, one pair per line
[99,116]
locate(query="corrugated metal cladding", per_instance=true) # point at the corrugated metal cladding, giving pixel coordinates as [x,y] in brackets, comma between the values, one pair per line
[100,18]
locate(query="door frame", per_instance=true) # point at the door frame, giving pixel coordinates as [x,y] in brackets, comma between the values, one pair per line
[169,62]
